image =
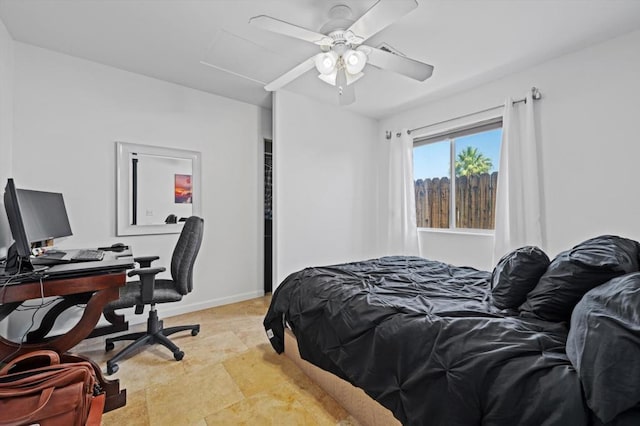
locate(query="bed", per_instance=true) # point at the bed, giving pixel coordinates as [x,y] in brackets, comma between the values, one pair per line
[437,344]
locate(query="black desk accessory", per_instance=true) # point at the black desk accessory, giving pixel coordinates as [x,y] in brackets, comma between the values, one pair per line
[117,247]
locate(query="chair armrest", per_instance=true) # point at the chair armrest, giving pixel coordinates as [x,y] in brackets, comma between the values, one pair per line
[146,271]
[145,261]
[147,281]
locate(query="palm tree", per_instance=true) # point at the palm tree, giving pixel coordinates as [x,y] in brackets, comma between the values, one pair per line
[472,162]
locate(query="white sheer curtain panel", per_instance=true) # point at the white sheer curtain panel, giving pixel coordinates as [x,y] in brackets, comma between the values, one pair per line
[518,211]
[403,233]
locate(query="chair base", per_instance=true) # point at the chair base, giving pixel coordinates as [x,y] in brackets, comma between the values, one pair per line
[155,334]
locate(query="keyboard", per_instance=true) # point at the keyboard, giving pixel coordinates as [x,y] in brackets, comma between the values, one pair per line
[57,257]
[87,255]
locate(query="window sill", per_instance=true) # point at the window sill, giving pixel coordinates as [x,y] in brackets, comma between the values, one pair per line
[473,232]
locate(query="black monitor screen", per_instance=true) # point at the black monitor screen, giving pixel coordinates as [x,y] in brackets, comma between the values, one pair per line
[21,246]
[33,216]
[43,214]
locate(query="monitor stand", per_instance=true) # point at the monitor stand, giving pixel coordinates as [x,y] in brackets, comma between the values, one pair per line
[16,264]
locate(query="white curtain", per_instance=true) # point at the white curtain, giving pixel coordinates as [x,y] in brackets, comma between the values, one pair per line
[403,233]
[518,211]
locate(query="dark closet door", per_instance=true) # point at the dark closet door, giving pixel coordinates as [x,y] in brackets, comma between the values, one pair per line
[268,217]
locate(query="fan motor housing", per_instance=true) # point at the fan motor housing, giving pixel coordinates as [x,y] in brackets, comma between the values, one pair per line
[339,19]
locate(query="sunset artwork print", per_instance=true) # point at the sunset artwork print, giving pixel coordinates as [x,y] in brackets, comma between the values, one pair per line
[183,189]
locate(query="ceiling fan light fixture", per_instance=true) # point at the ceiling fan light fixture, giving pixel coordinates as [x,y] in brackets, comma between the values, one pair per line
[326,62]
[352,78]
[329,78]
[354,61]
[333,76]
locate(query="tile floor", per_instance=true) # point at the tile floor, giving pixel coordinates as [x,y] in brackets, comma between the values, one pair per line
[230,375]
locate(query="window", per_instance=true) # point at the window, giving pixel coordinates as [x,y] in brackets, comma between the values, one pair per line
[465,200]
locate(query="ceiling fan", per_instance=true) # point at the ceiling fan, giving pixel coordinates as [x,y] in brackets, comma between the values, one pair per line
[343,55]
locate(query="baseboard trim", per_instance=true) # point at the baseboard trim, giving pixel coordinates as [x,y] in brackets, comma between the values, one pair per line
[167,311]
[14,326]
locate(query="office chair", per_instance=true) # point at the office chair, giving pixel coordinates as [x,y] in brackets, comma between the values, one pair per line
[149,291]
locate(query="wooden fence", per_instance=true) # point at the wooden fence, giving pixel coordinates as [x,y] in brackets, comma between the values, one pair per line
[475,201]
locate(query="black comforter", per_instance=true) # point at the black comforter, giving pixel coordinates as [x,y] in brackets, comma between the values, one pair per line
[424,339]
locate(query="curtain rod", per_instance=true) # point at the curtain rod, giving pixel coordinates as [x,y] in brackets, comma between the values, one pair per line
[535,95]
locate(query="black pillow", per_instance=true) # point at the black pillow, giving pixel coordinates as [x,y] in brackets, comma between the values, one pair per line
[516,274]
[603,345]
[574,272]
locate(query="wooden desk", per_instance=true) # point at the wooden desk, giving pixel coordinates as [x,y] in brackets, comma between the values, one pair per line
[93,283]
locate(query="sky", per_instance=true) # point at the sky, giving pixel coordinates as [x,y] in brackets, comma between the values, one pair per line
[432,160]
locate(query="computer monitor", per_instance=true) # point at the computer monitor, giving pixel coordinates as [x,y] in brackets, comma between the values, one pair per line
[44,215]
[33,216]
[20,250]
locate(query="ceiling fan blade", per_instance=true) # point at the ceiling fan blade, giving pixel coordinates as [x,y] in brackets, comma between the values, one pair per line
[277,26]
[400,64]
[381,15]
[291,75]
[346,92]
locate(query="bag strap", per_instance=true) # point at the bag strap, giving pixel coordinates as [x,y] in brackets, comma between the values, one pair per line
[54,359]
[44,399]
[95,412]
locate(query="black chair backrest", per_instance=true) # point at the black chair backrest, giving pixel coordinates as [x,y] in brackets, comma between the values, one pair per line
[184,255]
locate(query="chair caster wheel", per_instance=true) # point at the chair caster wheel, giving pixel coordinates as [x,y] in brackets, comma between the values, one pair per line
[108,346]
[113,368]
[178,355]
[195,331]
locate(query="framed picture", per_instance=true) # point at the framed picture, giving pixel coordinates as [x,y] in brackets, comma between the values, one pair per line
[183,189]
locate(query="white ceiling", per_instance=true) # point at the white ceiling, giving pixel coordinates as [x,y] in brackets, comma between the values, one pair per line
[468,41]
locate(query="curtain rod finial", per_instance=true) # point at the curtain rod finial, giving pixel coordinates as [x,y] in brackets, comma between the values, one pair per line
[535,93]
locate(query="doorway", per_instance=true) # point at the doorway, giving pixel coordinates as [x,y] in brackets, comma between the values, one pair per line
[268,215]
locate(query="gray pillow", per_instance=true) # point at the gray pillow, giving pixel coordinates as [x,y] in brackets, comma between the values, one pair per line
[516,274]
[603,345]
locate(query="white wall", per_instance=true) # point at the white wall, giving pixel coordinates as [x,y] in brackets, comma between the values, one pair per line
[69,112]
[6,135]
[588,128]
[6,126]
[325,185]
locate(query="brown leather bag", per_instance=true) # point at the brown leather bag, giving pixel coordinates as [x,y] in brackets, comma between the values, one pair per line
[50,395]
